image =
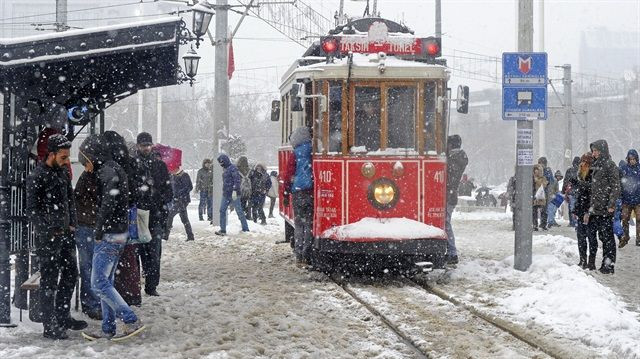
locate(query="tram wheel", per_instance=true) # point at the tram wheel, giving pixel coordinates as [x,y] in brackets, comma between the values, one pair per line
[288,234]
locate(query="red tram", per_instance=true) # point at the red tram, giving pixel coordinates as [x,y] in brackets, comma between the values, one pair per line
[376,98]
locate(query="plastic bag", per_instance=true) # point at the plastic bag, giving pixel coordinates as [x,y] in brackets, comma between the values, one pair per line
[540,195]
[139,226]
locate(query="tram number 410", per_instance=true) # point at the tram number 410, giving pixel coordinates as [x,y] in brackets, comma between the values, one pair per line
[326,176]
[438,177]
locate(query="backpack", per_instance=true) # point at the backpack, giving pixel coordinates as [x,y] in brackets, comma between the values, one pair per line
[245,186]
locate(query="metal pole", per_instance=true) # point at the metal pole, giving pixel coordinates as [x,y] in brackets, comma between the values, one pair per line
[524,156]
[374,12]
[340,13]
[542,135]
[438,18]
[159,115]
[586,130]
[568,151]
[140,110]
[5,265]
[221,94]
[61,15]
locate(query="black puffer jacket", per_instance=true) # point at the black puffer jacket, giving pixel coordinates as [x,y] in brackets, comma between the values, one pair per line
[582,192]
[50,202]
[152,183]
[605,181]
[86,195]
[113,190]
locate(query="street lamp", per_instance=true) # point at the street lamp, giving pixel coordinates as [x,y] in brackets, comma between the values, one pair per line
[202,15]
[191,61]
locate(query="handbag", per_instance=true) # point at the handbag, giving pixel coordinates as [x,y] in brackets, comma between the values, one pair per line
[139,226]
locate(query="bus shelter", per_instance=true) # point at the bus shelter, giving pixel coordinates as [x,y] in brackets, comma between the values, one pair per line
[66,80]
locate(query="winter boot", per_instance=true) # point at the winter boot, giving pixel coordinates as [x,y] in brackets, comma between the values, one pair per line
[74,324]
[591,265]
[583,262]
[623,241]
[638,241]
[220,233]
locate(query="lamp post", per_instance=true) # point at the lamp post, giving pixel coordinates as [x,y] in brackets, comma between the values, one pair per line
[202,15]
[191,62]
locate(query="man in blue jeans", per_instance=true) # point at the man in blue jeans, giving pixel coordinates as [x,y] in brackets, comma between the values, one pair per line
[230,190]
[111,236]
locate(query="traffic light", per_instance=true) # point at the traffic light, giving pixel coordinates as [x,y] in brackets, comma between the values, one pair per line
[432,46]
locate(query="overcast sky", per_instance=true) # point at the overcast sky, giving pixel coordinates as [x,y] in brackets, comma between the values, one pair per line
[483,27]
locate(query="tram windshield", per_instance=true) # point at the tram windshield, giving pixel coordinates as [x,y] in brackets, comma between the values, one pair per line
[367,118]
[401,117]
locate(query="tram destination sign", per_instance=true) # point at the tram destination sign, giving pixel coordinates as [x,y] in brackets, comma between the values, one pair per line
[392,45]
[524,85]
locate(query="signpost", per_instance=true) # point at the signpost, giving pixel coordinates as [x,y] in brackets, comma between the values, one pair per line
[524,98]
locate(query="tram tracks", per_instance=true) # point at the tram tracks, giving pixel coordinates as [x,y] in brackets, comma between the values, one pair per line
[435,324]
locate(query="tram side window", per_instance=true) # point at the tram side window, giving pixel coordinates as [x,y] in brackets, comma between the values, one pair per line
[430,116]
[335,117]
[401,117]
[367,118]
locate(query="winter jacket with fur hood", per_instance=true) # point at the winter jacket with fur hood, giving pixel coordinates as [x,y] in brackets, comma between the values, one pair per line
[539,180]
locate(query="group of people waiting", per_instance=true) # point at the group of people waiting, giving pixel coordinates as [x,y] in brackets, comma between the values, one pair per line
[601,197]
[95,218]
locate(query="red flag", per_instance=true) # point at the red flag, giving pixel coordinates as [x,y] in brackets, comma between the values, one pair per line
[231,66]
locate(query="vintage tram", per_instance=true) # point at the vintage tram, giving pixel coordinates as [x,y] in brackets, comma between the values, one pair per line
[376,99]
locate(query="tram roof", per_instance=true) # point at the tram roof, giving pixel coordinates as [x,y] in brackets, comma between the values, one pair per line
[365,66]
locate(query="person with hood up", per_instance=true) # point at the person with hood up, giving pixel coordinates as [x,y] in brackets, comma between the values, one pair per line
[539,201]
[52,210]
[230,194]
[111,236]
[182,186]
[570,178]
[605,190]
[86,196]
[456,163]
[127,278]
[630,183]
[245,186]
[581,188]
[204,186]
[260,185]
[273,192]
[299,183]
[153,192]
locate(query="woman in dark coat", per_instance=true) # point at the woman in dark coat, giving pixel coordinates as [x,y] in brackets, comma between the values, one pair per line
[581,187]
[260,185]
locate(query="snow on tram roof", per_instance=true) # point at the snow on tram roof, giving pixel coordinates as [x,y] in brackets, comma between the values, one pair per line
[364,66]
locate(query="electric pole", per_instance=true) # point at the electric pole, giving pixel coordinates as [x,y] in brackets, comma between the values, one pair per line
[524,169]
[542,135]
[159,115]
[568,140]
[438,19]
[221,88]
[61,15]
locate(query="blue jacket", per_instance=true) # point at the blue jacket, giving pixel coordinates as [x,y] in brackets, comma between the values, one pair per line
[630,180]
[230,177]
[301,142]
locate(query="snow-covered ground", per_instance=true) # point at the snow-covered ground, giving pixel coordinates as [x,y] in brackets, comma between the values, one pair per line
[242,296]
[555,295]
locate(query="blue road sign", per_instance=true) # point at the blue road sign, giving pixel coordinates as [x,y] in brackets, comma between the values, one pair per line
[524,86]
[524,103]
[524,68]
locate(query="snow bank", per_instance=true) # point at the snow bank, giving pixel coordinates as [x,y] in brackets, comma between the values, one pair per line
[388,228]
[559,296]
[481,216]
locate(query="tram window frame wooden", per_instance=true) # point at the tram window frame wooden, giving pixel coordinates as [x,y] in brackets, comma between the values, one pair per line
[429,134]
[383,85]
[413,86]
[327,117]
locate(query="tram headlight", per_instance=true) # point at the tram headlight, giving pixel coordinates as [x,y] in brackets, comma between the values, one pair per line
[383,193]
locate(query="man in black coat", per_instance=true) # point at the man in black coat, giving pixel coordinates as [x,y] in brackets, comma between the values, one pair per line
[605,190]
[152,188]
[51,208]
[456,163]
